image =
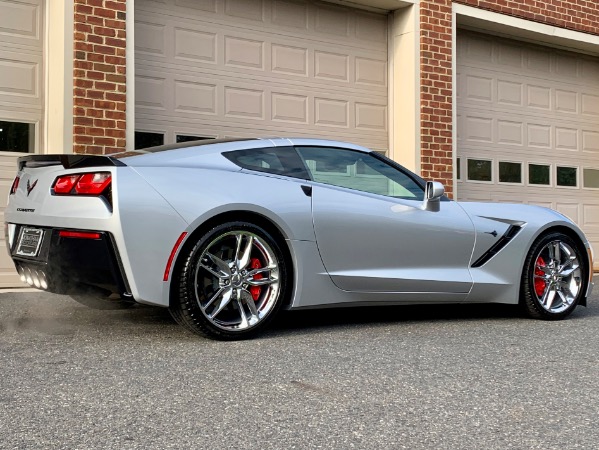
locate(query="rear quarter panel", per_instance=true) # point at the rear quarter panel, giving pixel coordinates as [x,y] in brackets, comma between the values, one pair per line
[199,194]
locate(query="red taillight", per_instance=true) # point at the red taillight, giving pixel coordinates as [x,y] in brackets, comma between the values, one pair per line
[82,183]
[79,234]
[15,185]
[93,183]
[64,185]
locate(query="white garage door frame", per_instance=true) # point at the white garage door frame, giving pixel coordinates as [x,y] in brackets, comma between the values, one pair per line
[514,28]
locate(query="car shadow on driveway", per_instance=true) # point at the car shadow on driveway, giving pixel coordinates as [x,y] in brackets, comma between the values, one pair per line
[330,318]
[58,315]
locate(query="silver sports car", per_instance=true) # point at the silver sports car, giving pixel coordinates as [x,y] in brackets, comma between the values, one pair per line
[225,233]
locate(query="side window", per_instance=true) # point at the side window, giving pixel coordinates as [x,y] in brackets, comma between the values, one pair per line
[277,160]
[358,170]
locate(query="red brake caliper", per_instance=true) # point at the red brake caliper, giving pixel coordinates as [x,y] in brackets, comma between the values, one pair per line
[255,290]
[540,284]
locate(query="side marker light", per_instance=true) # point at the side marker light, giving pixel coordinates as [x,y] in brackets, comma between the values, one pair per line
[169,263]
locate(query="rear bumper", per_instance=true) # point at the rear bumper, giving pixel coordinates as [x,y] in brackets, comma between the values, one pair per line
[72,265]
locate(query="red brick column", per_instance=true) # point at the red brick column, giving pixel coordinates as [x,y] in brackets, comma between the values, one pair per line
[99,93]
[436,92]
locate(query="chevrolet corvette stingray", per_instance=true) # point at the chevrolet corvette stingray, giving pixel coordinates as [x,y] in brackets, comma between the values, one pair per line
[225,233]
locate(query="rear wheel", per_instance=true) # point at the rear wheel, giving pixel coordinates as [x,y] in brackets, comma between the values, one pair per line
[554,277]
[232,283]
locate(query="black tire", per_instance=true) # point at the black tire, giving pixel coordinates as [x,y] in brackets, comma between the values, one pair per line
[546,292]
[199,306]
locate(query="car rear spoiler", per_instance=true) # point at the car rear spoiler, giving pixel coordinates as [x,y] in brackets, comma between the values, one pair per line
[67,161]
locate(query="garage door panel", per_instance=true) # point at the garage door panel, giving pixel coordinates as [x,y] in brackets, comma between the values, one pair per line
[260,55]
[484,86]
[20,81]
[578,77]
[538,135]
[185,96]
[234,69]
[368,78]
[324,21]
[21,23]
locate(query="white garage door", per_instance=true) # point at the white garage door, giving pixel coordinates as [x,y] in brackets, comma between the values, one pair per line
[528,127]
[260,68]
[21,100]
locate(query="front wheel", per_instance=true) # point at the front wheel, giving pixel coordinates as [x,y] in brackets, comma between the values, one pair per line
[553,280]
[232,283]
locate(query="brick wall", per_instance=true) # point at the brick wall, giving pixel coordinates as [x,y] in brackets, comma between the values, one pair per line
[579,15]
[435,92]
[436,62]
[99,93]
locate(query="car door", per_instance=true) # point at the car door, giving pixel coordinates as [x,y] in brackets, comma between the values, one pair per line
[371,230]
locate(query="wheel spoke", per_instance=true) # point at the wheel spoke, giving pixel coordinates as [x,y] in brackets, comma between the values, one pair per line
[569,262]
[261,270]
[564,248]
[244,259]
[224,301]
[545,269]
[567,272]
[238,241]
[557,254]
[564,298]
[249,301]
[214,297]
[262,281]
[220,276]
[222,266]
[548,297]
[244,320]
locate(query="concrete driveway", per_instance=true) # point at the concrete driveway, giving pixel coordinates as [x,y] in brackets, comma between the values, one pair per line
[472,377]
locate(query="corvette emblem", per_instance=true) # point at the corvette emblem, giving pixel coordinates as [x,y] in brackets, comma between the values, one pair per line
[30,187]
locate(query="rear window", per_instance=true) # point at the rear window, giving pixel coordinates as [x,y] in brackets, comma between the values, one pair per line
[276,160]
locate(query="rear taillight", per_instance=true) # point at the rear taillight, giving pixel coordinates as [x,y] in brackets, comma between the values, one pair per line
[82,184]
[15,185]
[79,234]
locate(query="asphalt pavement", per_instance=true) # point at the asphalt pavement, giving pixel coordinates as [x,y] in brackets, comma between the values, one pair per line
[427,377]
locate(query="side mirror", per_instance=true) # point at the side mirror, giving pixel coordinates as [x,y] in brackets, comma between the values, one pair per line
[432,196]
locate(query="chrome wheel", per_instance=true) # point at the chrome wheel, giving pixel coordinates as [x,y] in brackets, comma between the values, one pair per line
[557,276]
[237,280]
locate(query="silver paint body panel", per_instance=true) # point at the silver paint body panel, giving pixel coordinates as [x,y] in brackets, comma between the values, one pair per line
[347,247]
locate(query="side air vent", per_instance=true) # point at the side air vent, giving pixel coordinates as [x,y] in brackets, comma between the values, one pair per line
[511,232]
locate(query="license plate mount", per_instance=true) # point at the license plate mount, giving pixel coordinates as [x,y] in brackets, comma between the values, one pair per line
[30,241]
